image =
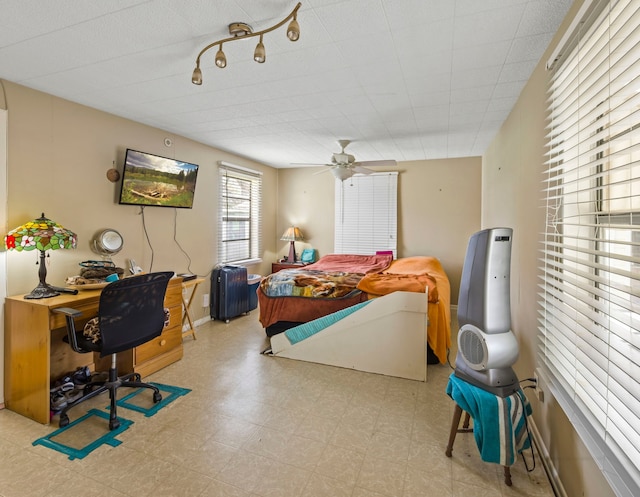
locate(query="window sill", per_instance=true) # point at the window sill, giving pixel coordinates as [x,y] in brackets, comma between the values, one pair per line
[245,262]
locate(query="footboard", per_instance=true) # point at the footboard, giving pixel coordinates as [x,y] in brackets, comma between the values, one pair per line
[386,335]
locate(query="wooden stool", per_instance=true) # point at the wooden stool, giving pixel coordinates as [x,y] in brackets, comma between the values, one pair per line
[457,414]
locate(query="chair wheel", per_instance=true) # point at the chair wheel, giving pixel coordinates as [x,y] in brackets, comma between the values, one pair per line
[114,424]
[64,420]
[157,397]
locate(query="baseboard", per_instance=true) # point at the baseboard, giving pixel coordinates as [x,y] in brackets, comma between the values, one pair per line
[196,323]
[203,320]
[547,463]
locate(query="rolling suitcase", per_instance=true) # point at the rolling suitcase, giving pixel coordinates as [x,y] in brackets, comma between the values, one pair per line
[229,292]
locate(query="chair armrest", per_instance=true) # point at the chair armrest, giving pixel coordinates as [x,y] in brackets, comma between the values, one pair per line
[70,315]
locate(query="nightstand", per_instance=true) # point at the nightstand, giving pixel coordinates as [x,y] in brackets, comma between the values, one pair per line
[279,266]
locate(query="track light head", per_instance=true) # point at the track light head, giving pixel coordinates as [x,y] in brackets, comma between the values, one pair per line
[293,31]
[259,55]
[196,77]
[221,58]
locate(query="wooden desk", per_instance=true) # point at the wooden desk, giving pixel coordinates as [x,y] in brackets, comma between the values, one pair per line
[186,305]
[35,355]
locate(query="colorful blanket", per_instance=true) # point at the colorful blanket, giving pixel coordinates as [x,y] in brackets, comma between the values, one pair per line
[311,284]
[499,424]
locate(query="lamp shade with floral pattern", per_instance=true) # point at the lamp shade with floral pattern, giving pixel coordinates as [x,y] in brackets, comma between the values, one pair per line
[41,234]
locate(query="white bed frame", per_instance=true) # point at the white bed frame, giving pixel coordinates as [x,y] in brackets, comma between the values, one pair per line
[387,336]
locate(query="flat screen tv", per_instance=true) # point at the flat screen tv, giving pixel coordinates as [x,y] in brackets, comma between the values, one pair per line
[152,180]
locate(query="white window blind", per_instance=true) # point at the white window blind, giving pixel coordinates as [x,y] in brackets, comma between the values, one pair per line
[239,215]
[590,285]
[366,210]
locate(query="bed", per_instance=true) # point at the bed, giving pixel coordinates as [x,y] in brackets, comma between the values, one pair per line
[338,282]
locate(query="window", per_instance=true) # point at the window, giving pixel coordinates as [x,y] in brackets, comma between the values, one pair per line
[590,293]
[366,209]
[239,211]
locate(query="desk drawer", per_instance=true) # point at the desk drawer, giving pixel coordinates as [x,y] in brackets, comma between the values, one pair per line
[169,339]
[88,309]
[174,293]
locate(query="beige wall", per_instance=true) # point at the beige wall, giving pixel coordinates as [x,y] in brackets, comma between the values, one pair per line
[3,228]
[512,196]
[438,209]
[58,156]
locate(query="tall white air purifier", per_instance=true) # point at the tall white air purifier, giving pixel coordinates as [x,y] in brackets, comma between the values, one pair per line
[487,348]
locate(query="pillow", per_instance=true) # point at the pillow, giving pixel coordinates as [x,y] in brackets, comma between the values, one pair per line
[91,330]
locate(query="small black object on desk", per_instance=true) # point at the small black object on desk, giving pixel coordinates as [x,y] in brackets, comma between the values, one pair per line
[72,291]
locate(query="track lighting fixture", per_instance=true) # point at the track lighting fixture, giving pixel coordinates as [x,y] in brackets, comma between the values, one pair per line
[221,58]
[259,55]
[240,30]
[293,31]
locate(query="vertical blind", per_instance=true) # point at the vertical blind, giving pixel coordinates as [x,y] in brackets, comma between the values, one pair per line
[589,343]
[366,210]
[239,215]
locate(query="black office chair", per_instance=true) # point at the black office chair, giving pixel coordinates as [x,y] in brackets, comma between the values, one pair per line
[130,313]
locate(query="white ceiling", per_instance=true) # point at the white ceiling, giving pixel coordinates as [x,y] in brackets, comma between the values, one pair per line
[402,79]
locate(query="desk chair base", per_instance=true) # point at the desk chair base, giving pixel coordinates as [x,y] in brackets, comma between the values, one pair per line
[457,414]
[132,380]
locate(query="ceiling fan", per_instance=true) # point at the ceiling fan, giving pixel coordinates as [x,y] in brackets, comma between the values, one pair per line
[344,165]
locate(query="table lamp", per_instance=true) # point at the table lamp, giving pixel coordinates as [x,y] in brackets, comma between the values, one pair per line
[41,234]
[293,235]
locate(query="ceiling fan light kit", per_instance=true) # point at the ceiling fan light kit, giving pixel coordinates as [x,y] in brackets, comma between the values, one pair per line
[342,173]
[241,30]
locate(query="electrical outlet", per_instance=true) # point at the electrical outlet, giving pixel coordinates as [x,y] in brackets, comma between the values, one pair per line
[205,300]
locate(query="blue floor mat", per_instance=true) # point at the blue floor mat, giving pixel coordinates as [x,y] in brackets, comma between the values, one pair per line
[169,394]
[82,436]
[58,440]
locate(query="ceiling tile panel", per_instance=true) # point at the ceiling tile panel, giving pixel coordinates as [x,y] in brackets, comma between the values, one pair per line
[415,79]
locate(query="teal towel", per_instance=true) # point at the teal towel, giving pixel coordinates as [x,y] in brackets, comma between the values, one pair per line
[305,330]
[499,424]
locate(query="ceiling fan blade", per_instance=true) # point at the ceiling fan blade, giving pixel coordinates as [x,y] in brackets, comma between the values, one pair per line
[323,171]
[307,164]
[383,163]
[362,170]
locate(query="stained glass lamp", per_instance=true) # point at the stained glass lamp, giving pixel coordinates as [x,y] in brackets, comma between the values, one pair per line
[41,234]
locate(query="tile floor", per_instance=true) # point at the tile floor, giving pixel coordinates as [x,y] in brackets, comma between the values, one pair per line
[261,426]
